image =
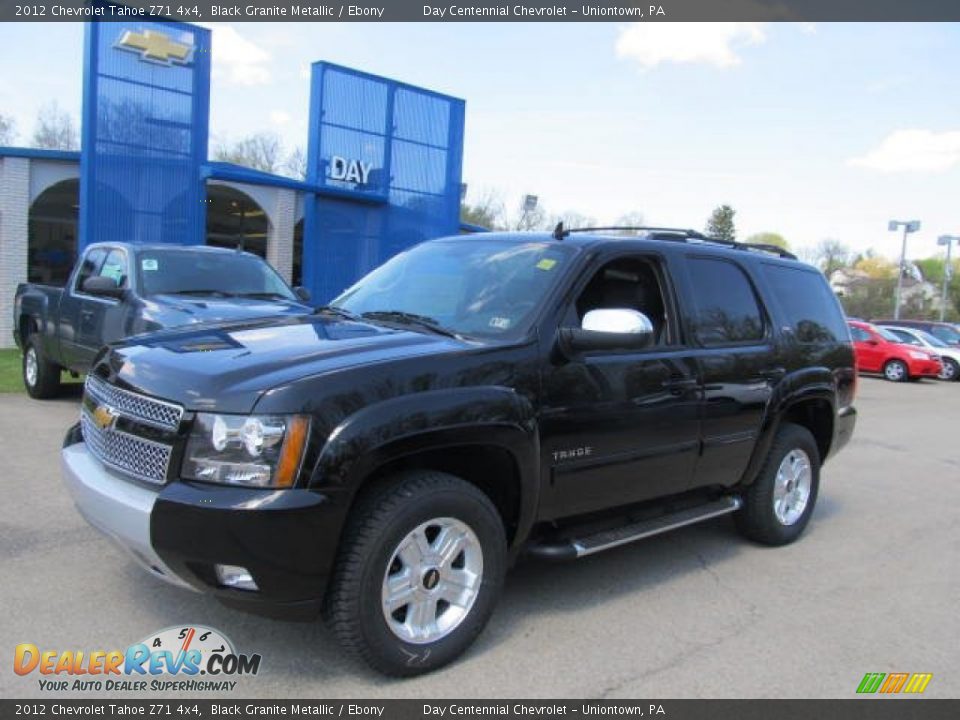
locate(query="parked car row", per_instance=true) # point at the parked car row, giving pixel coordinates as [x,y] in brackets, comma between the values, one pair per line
[903,350]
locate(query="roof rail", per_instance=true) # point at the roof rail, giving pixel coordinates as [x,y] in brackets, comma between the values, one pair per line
[676,235]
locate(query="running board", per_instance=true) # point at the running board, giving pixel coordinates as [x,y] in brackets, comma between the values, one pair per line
[572,548]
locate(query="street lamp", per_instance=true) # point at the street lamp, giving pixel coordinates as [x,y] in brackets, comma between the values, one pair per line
[947,240]
[908,226]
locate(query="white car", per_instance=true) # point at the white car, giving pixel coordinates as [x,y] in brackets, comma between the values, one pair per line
[949,355]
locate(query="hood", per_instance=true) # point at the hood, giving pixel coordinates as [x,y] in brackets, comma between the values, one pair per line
[177,310]
[228,367]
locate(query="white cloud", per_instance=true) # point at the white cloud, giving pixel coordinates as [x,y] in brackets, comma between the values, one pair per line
[913,150]
[236,59]
[651,44]
[279,117]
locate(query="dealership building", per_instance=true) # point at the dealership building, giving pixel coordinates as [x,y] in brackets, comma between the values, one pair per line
[384,162]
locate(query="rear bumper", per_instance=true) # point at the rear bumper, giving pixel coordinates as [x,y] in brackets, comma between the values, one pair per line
[286,539]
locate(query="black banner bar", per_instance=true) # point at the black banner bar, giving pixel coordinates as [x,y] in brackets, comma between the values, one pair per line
[484,10]
[875,708]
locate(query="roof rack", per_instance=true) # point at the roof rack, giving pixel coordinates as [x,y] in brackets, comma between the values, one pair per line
[676,235]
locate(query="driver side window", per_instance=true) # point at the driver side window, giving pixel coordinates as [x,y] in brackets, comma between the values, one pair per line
[630,283]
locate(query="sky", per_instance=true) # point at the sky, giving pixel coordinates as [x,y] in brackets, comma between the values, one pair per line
[811,131]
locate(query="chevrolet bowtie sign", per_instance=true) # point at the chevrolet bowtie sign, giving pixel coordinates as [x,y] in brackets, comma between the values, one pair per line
[156,47]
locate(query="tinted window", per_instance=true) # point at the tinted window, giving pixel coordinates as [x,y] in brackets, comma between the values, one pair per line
[811,308]
[727,309]
[905,337]
[115,267]
[91,264]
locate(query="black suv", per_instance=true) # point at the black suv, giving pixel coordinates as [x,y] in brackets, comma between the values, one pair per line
[385,459]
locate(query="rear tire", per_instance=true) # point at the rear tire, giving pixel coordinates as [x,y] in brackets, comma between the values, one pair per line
[896,371]
[410,544]
[41,377]
[779,503]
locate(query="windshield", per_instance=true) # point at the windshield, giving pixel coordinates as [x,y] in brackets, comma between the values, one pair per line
[182,272]
[930,339]
[887,335]
[946,333]
[471,286]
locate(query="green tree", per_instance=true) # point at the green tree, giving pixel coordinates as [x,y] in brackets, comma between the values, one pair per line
[486,211]
[831,255]
[720,224]
[769,238]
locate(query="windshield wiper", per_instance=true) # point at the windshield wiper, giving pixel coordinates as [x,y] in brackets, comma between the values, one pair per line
[215,293]
[405,318]
[334,310]
[265,295]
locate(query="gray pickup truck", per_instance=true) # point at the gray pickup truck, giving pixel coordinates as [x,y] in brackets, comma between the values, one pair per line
[118,290]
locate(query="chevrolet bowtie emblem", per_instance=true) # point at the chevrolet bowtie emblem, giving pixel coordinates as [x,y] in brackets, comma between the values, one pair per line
[104,417]
[155,46]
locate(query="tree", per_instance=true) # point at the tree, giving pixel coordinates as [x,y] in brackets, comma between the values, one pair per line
[55,129]
[8,130]
[876,267]
[629,220]
[486,212]
[571,219]
[831,255]
[769,238]
[720,223]
[526,220]
[260,151]
[296,163]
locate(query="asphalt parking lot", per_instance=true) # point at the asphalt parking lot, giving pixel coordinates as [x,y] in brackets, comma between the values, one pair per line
[873,586]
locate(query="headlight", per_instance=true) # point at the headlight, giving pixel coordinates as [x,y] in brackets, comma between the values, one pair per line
[253,450]
[916,355]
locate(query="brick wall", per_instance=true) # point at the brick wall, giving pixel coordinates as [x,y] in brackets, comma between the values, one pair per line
[14,211]
[280,238]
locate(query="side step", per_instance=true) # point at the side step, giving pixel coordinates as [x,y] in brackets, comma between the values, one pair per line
[571,548]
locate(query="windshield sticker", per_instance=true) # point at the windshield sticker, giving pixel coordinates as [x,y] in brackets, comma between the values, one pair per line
[546,264]
[501,323]
[149,264]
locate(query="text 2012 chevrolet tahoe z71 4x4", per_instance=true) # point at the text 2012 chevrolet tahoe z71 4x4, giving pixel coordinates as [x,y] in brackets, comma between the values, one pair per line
[385,459]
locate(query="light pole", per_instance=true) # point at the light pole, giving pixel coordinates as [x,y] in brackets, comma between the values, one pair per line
[908,226]
[947,240]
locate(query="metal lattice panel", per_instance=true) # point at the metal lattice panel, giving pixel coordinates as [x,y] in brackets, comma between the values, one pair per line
[134,406]
[144,459]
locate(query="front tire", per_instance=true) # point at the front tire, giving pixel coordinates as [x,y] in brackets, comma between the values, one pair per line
[419,571]
[896,371]
[41,377]
[950,370]
[779,503]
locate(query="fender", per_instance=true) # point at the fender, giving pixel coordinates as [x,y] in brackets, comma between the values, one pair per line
[813,383]
[433,420]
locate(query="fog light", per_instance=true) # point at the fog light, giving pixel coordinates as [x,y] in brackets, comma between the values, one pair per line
[234,576]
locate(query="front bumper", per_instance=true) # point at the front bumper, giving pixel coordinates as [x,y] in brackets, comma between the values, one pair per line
[116,507]
[925,368]
[287,539]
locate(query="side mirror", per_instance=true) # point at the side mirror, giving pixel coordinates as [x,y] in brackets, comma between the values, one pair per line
[871,341]
[607,330]
[302,293]
[103,287]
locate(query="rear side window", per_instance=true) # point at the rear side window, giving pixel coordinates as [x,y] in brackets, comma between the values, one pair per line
[727,309]
[812,310]
[859,335]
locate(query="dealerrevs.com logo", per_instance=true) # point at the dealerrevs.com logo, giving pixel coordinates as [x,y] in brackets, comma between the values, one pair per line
[177,659]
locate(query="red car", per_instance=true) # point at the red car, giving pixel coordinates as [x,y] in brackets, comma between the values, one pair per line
[879,351]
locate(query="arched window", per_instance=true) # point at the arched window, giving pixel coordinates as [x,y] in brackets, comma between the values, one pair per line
[52,234]
[235,220]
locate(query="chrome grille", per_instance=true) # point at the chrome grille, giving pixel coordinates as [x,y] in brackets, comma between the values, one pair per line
[142,409]
[139,457]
